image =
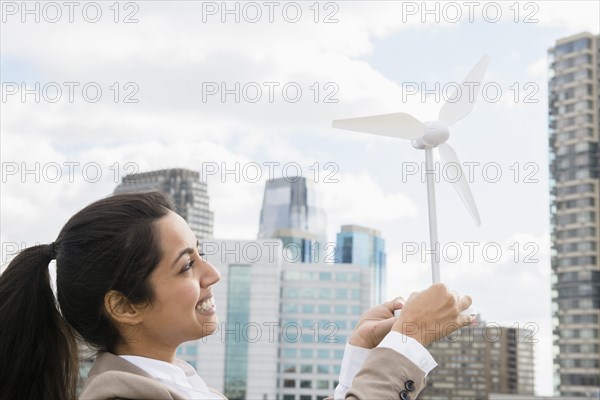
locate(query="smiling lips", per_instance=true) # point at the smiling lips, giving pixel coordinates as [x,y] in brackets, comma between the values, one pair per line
[206,305]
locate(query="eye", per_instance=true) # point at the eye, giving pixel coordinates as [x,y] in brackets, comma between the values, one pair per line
[188,266]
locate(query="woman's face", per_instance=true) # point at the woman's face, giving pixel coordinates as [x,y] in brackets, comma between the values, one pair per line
[183,308]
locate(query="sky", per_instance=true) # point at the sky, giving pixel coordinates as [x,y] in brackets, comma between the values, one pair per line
[247,91]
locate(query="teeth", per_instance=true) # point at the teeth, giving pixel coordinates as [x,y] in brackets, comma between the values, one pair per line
[206,304]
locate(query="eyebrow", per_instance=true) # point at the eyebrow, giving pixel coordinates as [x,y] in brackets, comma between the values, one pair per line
[187,250]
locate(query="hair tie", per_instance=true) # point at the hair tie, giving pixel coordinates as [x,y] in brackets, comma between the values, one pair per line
[52,251]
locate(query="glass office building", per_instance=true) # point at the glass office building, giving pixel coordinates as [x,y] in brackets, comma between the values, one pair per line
[292,204]
[365,247]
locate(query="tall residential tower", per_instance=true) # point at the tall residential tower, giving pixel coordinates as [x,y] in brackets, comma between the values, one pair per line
[574,190]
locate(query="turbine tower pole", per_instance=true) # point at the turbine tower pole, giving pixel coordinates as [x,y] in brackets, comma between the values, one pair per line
[433,234]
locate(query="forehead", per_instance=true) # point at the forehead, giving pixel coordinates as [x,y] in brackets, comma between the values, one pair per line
[175,234]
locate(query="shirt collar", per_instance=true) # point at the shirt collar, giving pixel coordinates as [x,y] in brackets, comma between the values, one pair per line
[163,370]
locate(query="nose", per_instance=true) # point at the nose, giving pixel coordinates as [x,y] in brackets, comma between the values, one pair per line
[210,275]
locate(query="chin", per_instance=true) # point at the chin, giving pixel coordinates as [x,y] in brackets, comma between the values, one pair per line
[209,326]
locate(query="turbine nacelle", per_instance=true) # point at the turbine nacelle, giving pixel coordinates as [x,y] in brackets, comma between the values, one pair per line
[436,133]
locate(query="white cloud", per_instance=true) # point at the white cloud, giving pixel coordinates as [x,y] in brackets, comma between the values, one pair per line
[357,198]
[539,69]
[573,16]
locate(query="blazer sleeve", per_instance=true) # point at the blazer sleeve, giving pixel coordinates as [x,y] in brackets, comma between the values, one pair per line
[387,374]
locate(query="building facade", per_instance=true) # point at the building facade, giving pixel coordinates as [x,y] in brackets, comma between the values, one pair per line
[320,306]
[187,192]
[283,325]
[292,204]
[364,246]
[475,362]
[574,128]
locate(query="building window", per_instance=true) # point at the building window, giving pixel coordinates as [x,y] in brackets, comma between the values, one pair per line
[325,276]
[322,369]
[308,308]
[306,368]
[321,384]
[323,354]
[289,368]
[289,353]
[289,383]
[340,309]
[324,309]
[306,384]
[306,353]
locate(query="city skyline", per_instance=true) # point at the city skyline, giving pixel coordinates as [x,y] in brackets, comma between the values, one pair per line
[378,62]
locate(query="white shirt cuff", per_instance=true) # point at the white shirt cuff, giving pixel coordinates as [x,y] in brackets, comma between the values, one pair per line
[410,349]
[354,358]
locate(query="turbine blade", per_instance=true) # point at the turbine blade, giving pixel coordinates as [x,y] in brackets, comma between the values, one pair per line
[396,125]
[463,102]
[448,156]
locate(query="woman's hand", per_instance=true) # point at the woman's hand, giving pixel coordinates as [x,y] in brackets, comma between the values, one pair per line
[433,313]
[374,324]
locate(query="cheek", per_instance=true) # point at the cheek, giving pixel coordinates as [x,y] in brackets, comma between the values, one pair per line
[178,297]
[186,294]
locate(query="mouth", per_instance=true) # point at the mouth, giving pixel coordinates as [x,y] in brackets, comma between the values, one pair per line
[206,306]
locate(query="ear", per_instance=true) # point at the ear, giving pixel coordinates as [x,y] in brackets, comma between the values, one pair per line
[121,310]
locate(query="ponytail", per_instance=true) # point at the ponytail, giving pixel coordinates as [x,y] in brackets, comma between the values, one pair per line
[38,350]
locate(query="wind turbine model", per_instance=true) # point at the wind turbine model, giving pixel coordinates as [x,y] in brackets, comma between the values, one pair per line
[427,136]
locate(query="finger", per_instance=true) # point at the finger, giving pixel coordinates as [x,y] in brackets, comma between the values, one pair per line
[465,320]
[455,294]
[464,302]
[395,304]
[398,303]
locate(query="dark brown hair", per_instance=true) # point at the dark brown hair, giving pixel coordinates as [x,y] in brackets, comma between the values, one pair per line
[112,244]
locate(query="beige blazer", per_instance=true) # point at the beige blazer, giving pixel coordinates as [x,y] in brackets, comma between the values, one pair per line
[386,374]
[113,377]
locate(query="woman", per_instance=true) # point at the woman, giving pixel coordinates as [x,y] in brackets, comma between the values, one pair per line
[132,284]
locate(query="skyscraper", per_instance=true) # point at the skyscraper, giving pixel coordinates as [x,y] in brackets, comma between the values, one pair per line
[476,361]
[291,204]
[364,246]
[574,128]
[184,188]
